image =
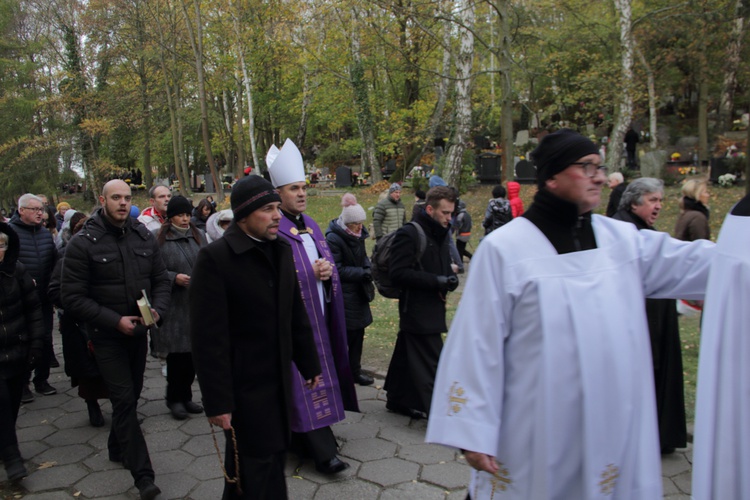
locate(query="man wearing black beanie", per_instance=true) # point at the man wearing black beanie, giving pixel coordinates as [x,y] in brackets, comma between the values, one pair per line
[248,323]
[546,377]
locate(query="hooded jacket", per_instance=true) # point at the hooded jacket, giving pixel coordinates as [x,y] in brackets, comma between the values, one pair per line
[21,323]
[516,204]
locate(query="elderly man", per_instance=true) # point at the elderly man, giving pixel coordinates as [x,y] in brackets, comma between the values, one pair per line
[640,205]
[314,411]
[39,254]
[106,267]
[389,213]
[545,379]
[616,183]
[155,215]
[247,324]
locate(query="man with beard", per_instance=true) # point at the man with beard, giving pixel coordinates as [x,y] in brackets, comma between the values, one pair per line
[248,324]
[106,267]
[314,411]
[155,215]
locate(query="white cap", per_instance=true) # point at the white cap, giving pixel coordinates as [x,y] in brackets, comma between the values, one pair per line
[286,165]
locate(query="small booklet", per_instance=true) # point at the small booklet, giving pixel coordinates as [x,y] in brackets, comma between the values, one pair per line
[145,307]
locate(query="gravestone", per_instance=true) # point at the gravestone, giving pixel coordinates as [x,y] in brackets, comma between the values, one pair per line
[343,177]
[488,167]
[525,172]
[522,137]
[652,163]
[209,179]
[719,167]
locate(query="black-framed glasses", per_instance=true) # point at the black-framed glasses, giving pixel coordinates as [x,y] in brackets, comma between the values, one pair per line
[34,209]
[590,168]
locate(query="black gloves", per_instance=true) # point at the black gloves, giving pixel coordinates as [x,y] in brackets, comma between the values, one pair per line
[447,283]
[367,276]
[35,357]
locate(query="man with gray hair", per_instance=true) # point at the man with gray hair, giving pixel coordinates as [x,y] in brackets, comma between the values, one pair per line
[39,254]
[616,183]
[390,213]
[640,205]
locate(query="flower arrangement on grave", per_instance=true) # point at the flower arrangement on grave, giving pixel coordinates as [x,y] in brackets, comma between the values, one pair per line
[675,156]
[727,180]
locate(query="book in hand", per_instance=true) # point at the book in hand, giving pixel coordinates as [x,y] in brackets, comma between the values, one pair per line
[145,307]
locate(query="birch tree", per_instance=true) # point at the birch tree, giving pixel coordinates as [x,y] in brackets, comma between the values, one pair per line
[625,104]
[464,65]
[731,64]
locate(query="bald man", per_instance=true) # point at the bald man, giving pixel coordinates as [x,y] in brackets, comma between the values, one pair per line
[105,268]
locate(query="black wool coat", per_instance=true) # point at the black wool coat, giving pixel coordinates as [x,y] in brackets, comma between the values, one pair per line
[352,263]
[421,304]
[21,324]
[248,323]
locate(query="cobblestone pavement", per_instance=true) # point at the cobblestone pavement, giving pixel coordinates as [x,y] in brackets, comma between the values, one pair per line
[67,458]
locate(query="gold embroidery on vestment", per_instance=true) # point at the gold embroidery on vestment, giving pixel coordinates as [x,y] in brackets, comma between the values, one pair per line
[609,479]
[456,399]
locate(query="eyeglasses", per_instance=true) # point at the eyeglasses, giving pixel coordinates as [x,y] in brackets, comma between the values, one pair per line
[35,209]
[591,169]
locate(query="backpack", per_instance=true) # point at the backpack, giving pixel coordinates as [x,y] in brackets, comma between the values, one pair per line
[381,255]
[500,214]
[463,222]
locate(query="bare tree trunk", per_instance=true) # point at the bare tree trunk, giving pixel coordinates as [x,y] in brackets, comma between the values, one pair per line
[506,110]
[196,41]
[464,64]
[625,106]
[247,80]
[304,115]
[652,109]
[241,162]
[702,118]
[731,65]
[362,103]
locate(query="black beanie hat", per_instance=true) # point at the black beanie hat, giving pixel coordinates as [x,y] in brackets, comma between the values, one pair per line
[250,193]
[178,205]
[558,150]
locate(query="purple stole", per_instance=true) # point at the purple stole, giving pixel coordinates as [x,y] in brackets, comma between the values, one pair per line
[325,405]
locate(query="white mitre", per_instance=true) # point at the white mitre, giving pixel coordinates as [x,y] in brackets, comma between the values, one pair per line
[285,165]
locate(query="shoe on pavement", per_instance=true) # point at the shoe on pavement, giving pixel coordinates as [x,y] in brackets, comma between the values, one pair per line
[363,379]
[333,466]
[15,470]
[95,413]
[45,388]
[27,396]
[178,411]
[147,489]
[192,407]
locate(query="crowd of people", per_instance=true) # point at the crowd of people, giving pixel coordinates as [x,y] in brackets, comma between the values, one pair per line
[561,376]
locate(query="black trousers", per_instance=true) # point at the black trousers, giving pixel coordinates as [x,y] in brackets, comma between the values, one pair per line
[319,444]
[122,362]
[411,374]
[10,402]
[180,377]
[461,246]
[41,371]
[261,478]
[355,339]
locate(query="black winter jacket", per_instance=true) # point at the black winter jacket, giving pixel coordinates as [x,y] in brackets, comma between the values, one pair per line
[104,270]
[37,252]
[421,304]
[21,323]
[353,266]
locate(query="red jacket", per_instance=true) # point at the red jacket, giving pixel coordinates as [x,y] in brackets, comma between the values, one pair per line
[516,205]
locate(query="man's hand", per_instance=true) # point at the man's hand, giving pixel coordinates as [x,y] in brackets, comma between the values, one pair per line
[323,269]
[224,421]
[482,462]
[182,280]
[155,315]
[314,382]
[127,323]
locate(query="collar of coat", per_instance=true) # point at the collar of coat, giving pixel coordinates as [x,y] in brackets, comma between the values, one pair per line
[240,242]
[96,227]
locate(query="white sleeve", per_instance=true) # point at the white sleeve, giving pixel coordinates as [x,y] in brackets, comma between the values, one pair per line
[467,399]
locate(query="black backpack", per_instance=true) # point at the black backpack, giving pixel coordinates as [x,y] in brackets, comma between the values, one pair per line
[381,255]
[500,214]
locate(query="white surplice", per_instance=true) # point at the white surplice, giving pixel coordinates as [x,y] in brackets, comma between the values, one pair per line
[548,366]
[721,456]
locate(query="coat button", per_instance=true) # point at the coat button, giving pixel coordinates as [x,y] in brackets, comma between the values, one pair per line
[104,260]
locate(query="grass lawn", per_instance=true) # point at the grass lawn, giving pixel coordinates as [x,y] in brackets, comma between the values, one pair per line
[323,206]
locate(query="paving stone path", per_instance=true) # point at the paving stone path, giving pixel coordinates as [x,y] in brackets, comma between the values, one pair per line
[67,458]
